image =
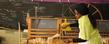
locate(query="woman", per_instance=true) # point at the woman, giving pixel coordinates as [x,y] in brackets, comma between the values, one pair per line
[87,25]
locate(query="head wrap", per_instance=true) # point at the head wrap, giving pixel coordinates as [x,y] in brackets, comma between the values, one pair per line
[82,8]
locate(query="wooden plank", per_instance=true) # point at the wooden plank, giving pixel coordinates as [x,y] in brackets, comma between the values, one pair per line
[47,29]
[42,32]
[68,36]
[45,18]
[40,36]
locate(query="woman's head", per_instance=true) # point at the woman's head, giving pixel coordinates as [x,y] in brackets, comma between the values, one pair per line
[80,10]
[77,14]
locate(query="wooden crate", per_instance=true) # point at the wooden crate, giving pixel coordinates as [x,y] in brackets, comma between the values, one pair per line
[106,40]
[39,28]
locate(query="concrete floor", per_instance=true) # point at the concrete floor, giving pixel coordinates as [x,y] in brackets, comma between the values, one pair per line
[10,36]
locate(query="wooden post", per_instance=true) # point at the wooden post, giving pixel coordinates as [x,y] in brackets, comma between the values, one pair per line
[19,30]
